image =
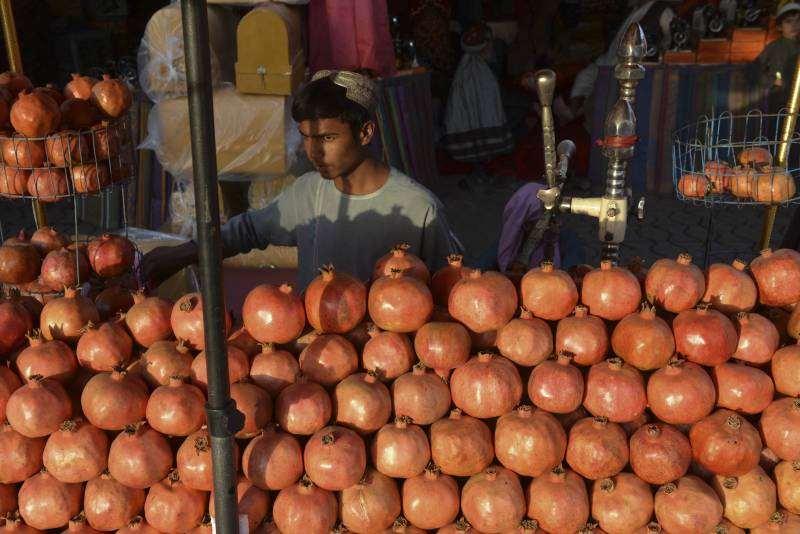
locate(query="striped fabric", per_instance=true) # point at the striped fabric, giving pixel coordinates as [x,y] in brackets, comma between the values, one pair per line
[669,97]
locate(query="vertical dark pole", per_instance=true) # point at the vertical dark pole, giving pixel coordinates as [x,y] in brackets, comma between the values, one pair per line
[222,415]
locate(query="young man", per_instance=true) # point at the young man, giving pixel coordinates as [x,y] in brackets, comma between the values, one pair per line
[774,68]
[349,212]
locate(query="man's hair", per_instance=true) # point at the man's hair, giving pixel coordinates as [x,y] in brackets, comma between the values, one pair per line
[783,16]
[323,99]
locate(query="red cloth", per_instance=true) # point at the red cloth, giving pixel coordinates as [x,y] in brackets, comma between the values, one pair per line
[350,35]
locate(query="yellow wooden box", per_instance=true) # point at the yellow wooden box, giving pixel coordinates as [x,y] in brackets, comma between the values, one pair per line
[270,57]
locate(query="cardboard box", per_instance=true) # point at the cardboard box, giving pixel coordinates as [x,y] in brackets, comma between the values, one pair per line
[682,57]
[270,57]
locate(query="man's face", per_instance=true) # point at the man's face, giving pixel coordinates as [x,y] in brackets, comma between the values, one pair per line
[790,25]
[331,147]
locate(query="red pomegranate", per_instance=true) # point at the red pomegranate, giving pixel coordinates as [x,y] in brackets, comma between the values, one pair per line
[421,395]
[252,502]
[112,301]
[113,400]
[256,406]
[113,98]
[777,275]
[742,388]
[15,322]
[19,263]
[336,457]
[48,239]
[431,500]
[389,354]
[328,359]
[399,258]
[583,336]
[782,522]
[725,444]
[461,445]
[748,500]
[643,340]
[22,455]
[79,87]
[659,453]
[442,346]
[399,303]
[787,479]
[50,359]
[526,341]
[611,292]
[303,408]
[675,285]
[104,348]
[177,409]
[530,443]
[273,314]
[273,460]
[444,279]
[9,382]
[238,368]
[758,338]
[64,318]
[139,457]
[64,267]
[705,336]
[483,301]
[305,508]
[362,403]
[780,426]
[786,370]
[241,339]
[335,302]
[172,507]
[400,449]
[558,501]
[78,114]
[66,148]
[681,393]
[718,173]
[556,385]
[687,505]
[486,386]
[370,505]
[45,503]
[38,408]
[164,359]
[138,525]
[623,503]
[110,255]
[194,463]
[548,293]
[729,289]
[493,500]
[13,180]
[77,452]
[148,320]
[109,505]
[597,448]
[34,114]
[186,320]
[274,369]
[615,390]
[14,83]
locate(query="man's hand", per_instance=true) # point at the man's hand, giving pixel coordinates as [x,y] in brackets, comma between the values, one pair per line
[162,262]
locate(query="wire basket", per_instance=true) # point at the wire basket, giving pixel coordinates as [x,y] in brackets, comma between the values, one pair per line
[732,160]
[68,163]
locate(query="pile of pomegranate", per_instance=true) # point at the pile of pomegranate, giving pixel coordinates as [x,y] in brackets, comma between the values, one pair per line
[58,142]
[451,403]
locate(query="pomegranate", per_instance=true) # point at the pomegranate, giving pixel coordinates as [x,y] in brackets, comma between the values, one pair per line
[444,279]
[725,444]
[38,408]
[777,275]
[50,359]
[786,370]
[8,500]
[643,340]
[109,505]
[63,318]
[483,301]
[361,402]
[758,338]
[493,500]
[781,522]
[138,525]
[113,98]
[372,504]
[461,445]
[303,408]
[400,449]
[78,114]
[681,393]
[9,382]
[238,368]
[402,526]
[659,453]
[79,87]
[526,341]
[22,456]
[177,409]
[241,339]
[597,448]
[14,83]
[773,185]
[29,303]
[194,462]
[172,507]
[15,321]
[64,267]
[335,302]
[34,114]
[13,180]
[105,347]
[79,525]
[615,390]
[718,173]
[21,152]
[421,395]
[694,185]
[729,289]
[687,505]
[139,456]
[48,239]
[530,443]
[77,452]
[399,303]
[548,293]
[611,292]
[252,502]
[46,503]
[48,184]
[273,460]
[754,156]
[14,524]
[273,314]
[19,264]
[584,336]
[274,369]
[486,386]
[748,500]
[256,406]
[399,258]
[336,457]
[66,148]
[742,388]
[556,385]
[787,478]
[705,336]
[305,508]
[328,359]
[113,400]
[389,354]
[110,255]
[431,500]
[106,138]
[187,320]
[623,503]
[780,426]
[675,285]
[148,320]
[164,359]
[442,346]
[558,501]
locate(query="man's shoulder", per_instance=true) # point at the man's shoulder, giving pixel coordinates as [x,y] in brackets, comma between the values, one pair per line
[400,184]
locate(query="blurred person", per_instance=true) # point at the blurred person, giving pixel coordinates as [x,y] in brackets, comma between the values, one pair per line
[774,68]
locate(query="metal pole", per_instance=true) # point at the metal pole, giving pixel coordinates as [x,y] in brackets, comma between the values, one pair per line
[783,153]
[223,419]
[15,64]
